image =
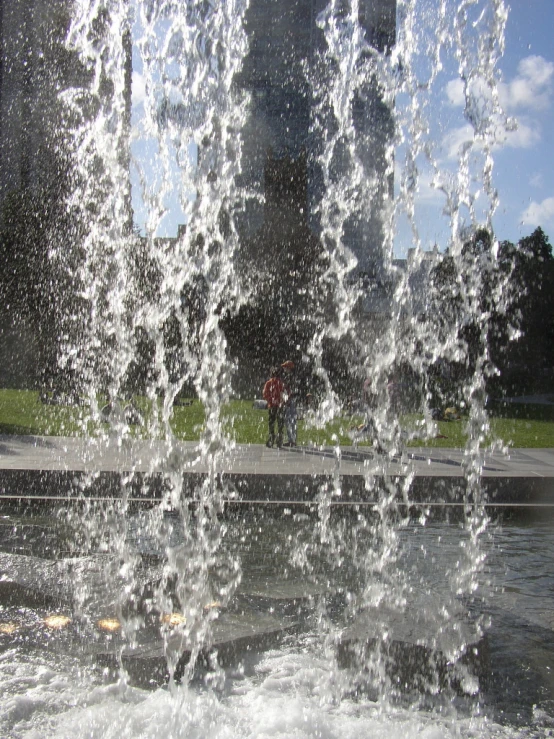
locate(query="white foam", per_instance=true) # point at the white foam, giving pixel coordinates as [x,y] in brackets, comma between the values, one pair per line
[285,697]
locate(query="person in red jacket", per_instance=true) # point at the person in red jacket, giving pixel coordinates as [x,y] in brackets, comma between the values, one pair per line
[274,394]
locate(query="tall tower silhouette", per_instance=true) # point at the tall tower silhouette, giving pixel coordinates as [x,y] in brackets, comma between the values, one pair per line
[285,41]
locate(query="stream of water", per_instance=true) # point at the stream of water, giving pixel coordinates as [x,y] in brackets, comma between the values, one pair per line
[367,623]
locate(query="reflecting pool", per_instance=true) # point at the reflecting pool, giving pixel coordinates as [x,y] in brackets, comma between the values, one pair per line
[292,659]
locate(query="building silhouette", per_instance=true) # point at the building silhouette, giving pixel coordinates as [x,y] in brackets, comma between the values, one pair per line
[285,42]
[37,177]
[34,67]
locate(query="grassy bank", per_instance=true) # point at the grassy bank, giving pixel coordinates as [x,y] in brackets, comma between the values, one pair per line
[22,413]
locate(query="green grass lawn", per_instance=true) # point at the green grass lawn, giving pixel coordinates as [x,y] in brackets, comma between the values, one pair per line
[22,413]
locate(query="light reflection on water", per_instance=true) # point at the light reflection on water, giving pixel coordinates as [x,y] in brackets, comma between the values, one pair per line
[49,687]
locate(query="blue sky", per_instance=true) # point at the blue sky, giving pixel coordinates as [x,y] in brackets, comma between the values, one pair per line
[523,173]
[522,152]
[524,170]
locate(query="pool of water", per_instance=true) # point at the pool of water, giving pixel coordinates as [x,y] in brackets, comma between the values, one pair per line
[289,683]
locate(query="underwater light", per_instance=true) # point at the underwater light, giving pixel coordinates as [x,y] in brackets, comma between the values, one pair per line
[57,621]
[173,619]
[9,628]
[108,624]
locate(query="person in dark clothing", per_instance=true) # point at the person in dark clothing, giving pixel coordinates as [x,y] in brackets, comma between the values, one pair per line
[290,411]
[274,395]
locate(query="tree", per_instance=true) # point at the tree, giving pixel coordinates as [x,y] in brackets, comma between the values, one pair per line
[33,293]
[283,273]
[526,363]
[463,315]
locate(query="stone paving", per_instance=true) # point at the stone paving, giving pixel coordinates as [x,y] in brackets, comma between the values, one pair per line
[108,455]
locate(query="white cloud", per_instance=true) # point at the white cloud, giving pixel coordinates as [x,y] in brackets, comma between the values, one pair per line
[138,88]
[455,92]
[456,139]
[531,90]
[536,180]
[533,86]
[523,135]
[539,214]
[428,190]
[480,103]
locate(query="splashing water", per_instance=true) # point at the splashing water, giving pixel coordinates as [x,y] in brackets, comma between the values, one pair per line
[149,314]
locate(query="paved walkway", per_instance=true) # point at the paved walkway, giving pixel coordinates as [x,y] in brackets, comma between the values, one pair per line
[107,455]
[264,471]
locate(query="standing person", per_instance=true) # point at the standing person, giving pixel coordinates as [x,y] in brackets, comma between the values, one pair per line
[274,394]
[291,414]
[375,401]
